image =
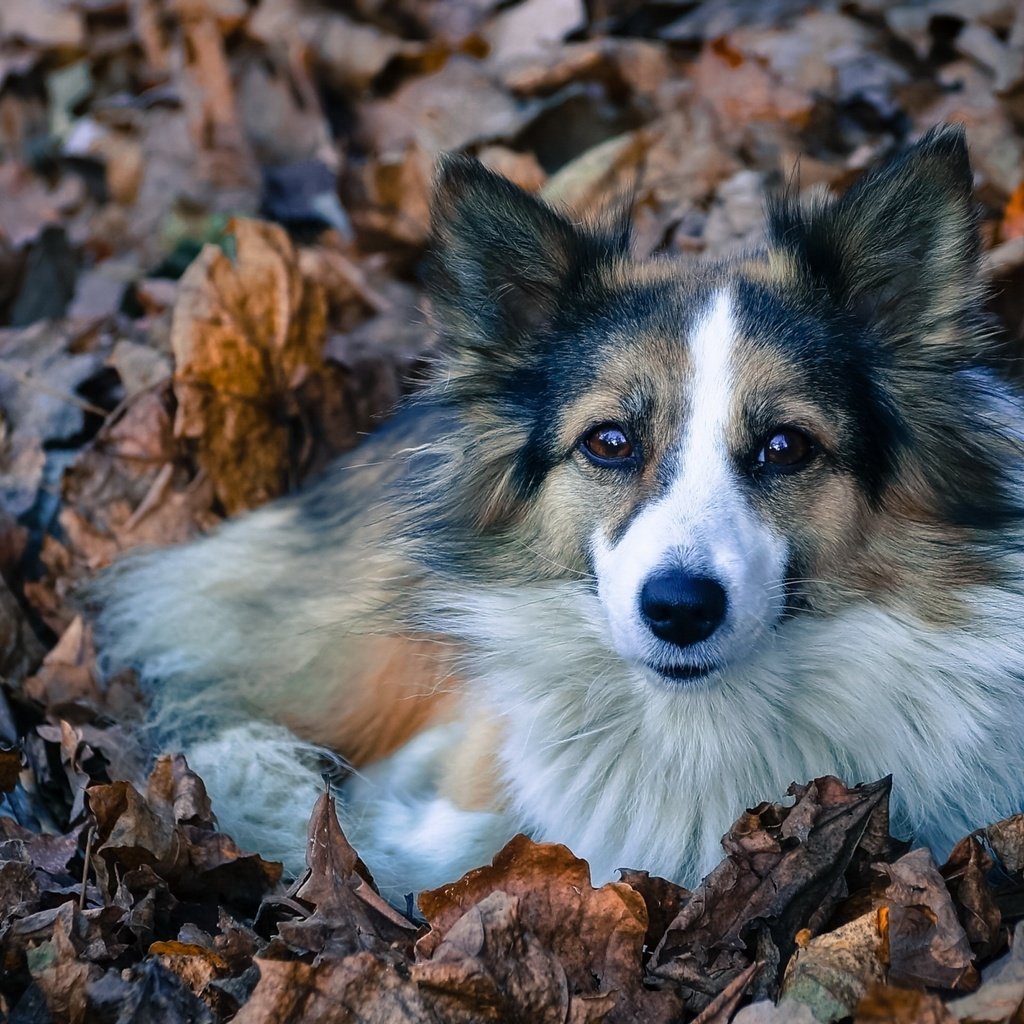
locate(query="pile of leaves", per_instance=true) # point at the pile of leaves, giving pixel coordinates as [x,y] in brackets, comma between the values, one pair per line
[212,219]
[146,911]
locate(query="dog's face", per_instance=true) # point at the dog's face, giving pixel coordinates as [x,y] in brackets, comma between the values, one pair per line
[723,448]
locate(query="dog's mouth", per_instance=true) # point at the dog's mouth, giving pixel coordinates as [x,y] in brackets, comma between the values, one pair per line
[682,673]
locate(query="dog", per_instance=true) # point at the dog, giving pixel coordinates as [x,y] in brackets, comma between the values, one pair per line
[657,540]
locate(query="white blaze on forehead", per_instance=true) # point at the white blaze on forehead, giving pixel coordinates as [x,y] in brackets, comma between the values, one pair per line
[704,455]
[703,522]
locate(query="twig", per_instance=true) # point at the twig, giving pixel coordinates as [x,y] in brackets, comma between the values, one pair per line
[30,382]
[85,867]
[153,496]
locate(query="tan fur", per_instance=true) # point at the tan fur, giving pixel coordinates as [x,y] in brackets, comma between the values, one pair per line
[406,685]
[470,776]
[775,268]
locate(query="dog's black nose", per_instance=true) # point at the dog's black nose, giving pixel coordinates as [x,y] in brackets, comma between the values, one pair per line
[681,608]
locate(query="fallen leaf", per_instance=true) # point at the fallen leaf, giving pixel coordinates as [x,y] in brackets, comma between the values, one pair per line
[396,195]
[133,485]
[1007,840]
[785,871]
[170,833]
[349,915]
[598,176]
[886,1004]
[596,934]
[148,992]
[246,333]
[966,876]
[358,989]
[490,966]
[195,965]
[662,898]
[57,970]
[927,945]
[720,1010]
[522,168]
[767,1012]
[532,28]
[431,112]
[741,89]
[41,369]
[832,973]
[1001,993]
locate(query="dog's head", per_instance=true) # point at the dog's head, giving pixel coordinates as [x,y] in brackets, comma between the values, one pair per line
[720,448]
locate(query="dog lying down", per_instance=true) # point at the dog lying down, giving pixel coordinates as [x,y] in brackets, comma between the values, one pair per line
[657,541]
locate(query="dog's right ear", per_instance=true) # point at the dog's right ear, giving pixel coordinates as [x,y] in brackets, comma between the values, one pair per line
[501,264]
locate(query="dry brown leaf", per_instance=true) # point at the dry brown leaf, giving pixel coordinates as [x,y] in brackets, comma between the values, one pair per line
[359,989]
[490,966]
[432,112]
[196,965]
[1007,840]
[910,937]
[832,972]
[786,869]
[885,1004]
[57,970]
[351,54]
[966,873]
[597,177]
[280,111]
[68,673]
[741,89]
[177,791]
[170,833]
[133,485]
[247,333]
[596,934]
[27,204]
[997,151]
[522,168]
[210,99]
[927,945]
[722,1007]
[397,187]
[46,23]
[1001,994]
[532,29]
[41,368]
[662,899]
[349,914]
[140,367]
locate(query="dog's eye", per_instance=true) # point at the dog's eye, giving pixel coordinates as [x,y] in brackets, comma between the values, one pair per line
[608,445]
[785,450]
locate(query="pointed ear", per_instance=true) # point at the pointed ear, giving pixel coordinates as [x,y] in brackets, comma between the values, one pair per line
[900,249]
[502,263]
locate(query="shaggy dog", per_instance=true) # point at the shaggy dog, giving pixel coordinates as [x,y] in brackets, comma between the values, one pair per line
[658,540]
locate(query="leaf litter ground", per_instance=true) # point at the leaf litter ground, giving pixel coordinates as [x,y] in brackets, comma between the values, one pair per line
[212,214]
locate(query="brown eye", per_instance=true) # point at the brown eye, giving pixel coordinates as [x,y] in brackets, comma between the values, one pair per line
[607,444]
[785,450]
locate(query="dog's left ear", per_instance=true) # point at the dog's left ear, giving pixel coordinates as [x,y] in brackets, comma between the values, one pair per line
[900,249]
[502,263]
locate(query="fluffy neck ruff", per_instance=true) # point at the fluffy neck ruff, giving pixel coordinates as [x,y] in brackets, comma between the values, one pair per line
[630,775]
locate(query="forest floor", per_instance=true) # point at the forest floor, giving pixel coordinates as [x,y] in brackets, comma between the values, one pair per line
[212,219]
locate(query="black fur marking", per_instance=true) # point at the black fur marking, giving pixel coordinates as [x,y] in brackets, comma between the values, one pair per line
[840,366]
[899,250]
[502,265]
